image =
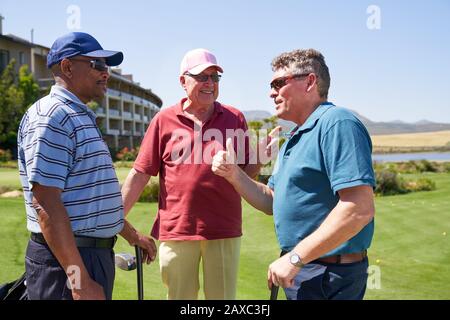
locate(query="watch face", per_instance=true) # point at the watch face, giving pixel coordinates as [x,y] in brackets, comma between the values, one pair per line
[295,260]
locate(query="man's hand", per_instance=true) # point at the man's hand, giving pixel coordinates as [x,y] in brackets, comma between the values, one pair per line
[148,247]
[135,238]
[281,273]
[89,290]
[224,162]
[268,146]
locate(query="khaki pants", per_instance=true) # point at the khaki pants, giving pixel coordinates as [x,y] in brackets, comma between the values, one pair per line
[179,265]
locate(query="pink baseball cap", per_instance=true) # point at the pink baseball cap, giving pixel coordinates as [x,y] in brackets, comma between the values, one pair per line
[197,60]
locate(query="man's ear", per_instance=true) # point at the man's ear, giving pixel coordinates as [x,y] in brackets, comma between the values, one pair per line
[183,81]
[66,68]
[312,80]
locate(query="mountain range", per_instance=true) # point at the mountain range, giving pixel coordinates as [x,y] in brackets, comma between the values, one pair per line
[374,128]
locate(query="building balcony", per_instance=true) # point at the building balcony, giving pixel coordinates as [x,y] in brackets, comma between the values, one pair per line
[127,96]
[137,116]
[114,132]
[127,115]
[113,93]
[100,111]
[126,132]
[114,112]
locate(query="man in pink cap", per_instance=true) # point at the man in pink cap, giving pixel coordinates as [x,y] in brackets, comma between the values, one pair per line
[200,215]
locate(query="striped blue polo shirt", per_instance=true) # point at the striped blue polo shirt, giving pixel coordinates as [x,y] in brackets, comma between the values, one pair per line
[60,145]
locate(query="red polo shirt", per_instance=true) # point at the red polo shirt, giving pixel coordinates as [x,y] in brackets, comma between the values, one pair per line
[194,203]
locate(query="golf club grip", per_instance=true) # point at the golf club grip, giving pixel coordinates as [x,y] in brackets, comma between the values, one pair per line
[274,289]
[140,284]
[274,292]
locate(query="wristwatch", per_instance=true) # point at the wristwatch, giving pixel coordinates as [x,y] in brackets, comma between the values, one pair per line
[295,260]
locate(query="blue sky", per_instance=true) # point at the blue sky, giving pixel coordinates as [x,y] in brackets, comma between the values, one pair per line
[398,72]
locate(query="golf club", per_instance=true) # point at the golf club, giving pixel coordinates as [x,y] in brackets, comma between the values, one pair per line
[274,289]
[140,282]
[128,262]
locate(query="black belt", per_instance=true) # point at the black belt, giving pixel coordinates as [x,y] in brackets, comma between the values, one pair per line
[81,242]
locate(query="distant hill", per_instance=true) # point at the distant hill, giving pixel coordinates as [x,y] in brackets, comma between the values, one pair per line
[398,126]
[374,128]
[256,115]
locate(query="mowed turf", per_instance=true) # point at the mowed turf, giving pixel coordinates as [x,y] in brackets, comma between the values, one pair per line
[411,248]
[412,243]
[10,178]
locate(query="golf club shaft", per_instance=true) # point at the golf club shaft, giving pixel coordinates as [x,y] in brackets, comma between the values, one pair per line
[140,284]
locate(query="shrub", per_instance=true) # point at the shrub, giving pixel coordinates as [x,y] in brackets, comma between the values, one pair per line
[5,155]
[412,166]
[422,184]
[123,164]
[150,192]
[388,183]
[446,167]
[9,164]
[426,166]
[127,155]
[4,189]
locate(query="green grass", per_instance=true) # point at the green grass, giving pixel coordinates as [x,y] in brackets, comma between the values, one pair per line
[10,178]
[409,247]
[412,243]
[259,248]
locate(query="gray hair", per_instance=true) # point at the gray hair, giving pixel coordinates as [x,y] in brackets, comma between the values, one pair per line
[305,61]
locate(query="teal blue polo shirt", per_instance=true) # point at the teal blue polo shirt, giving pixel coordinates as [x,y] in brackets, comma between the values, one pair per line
[331,151]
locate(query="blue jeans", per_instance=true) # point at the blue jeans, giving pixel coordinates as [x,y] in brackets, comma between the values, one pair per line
[330,281]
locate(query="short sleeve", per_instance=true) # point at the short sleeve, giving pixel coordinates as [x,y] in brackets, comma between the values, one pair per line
[148,160]
[49,154]
[347,152]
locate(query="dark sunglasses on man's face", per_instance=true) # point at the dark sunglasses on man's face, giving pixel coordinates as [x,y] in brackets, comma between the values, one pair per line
[280,82]
[98,65]
[204,77]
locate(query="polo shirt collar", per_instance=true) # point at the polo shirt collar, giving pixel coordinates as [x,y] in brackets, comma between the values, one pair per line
[313,117]
[67,95]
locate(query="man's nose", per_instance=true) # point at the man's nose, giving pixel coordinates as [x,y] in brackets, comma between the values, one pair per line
[106,74]
[273,93]
[210,80]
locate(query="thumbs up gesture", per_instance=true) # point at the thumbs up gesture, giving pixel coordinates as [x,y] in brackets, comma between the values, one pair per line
[224,162]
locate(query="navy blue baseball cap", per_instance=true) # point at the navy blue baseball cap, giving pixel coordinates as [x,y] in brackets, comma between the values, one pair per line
[80,44]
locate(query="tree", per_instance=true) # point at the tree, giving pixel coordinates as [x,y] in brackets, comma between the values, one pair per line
[17,93]
[28,86]
[255,125]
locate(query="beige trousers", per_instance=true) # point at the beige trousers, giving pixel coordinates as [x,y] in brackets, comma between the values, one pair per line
[179,264]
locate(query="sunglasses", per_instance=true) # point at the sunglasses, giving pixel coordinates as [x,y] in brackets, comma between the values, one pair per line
[280,82]
[204,77]
[98,65]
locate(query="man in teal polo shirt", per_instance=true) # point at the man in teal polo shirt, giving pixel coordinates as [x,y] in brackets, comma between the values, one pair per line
[321,190]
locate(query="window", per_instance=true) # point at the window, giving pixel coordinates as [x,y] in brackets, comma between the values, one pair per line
[4,59]
[21,58]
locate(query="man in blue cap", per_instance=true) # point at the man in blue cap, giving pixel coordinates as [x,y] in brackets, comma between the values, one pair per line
[72,195]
